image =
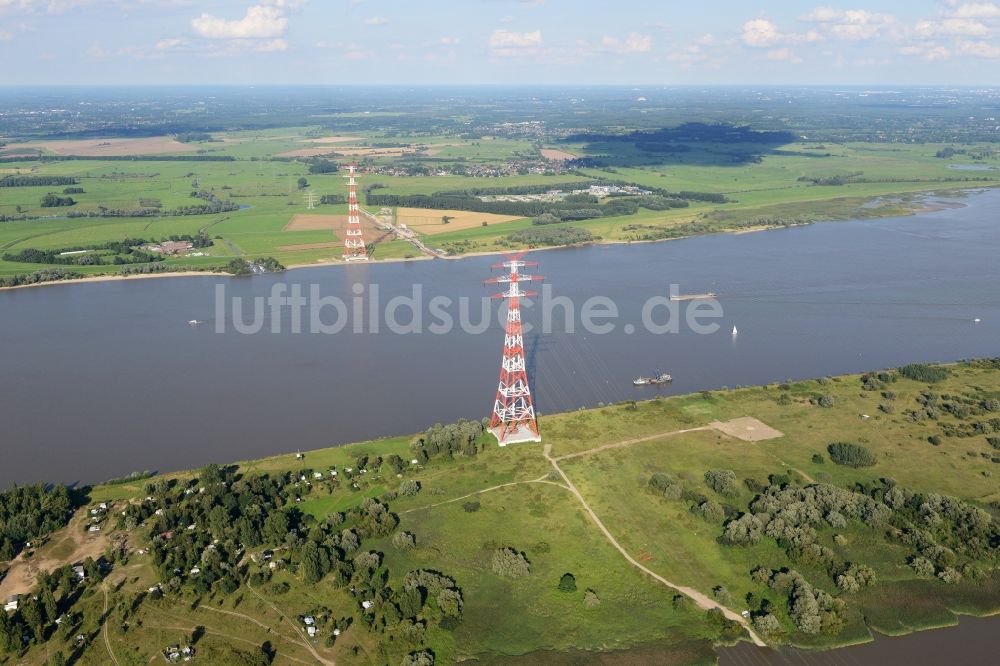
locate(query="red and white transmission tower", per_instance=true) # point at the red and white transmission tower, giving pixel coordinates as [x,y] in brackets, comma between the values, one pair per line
[354,240]
[513,419]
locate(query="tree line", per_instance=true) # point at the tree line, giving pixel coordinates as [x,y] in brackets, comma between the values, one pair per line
[33,181]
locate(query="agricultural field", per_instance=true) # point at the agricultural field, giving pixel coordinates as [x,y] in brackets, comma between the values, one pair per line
[639,504]
[244,190]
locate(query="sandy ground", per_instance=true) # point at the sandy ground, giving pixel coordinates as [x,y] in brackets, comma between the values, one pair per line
[75,544]
[337,224]
[559,155]
[307,222]
[115,278]
[747,428]
[428,221]
[153,145]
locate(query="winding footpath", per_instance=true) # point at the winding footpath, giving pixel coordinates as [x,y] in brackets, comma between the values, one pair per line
[699,598]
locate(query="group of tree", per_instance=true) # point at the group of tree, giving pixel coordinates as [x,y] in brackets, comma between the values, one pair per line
[851,455]
[36,180]
[47,613]
[580,206]
[39,277]
[30,512]
[194,137]
[549,236]
[51,200]
[461,438]
[320,166]
[118,253]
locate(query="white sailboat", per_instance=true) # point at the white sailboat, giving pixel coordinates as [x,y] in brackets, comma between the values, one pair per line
[734,330]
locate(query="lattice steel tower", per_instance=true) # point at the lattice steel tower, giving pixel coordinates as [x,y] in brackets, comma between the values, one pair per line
[354,239]
[513,419]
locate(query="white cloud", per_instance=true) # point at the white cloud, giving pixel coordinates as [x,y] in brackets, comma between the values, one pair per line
[782,55]
[450,41]
[505,39]
[980,49]
[377,20]
[167,44]
[976,10]
[929,53]
[97,51]
[762,33]
[850,24]
[951,26]
[260,21]
[633,43]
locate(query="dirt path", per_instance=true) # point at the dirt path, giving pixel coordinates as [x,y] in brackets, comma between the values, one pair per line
[702,600]
[630,442]
[104,625]
[187,629]
[305,639]
[541,479]
[72,539]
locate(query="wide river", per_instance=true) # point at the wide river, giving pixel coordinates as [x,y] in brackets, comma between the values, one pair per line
[103,378]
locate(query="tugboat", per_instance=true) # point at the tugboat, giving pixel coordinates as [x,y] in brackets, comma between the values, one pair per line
[658,378]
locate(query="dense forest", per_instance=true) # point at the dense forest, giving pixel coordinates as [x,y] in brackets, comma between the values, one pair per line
[31,512]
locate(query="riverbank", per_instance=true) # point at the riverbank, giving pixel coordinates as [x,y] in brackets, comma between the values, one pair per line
[603,452]
[922,208]
[120,278]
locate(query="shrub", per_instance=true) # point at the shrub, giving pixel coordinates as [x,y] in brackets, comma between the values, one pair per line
[470,507]
[409,487]
[825,400]
[851,455]
[994,442]
[509,563]
[818,459]
[590,599]
[722,481]
[921,372]
[743,531]
[567,583]
[665,485]
[922,566]
[710,511]
[404,540]
[767,624]
[422,658]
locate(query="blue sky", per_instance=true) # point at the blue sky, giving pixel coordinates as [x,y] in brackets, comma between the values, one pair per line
[499,42]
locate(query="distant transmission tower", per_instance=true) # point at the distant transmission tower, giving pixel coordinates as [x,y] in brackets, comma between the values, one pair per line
[513,419]
[311,200]
[354,240]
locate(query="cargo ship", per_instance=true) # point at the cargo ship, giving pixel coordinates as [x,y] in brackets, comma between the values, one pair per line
[658,378]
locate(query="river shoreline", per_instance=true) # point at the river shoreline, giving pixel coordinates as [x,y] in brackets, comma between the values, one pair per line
[923,208]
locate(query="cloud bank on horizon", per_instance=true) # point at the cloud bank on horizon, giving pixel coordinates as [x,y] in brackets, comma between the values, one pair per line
[500,41]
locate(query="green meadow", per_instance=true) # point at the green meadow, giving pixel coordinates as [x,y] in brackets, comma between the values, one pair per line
[872,180]
[468,506]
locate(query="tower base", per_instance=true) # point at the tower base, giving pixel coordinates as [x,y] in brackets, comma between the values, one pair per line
[355,257]
[518,436]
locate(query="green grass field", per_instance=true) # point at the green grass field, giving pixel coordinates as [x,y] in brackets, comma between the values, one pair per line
[520,502]
[267,190]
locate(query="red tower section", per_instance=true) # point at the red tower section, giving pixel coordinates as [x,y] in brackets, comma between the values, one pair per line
[354,239]
[513,419]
